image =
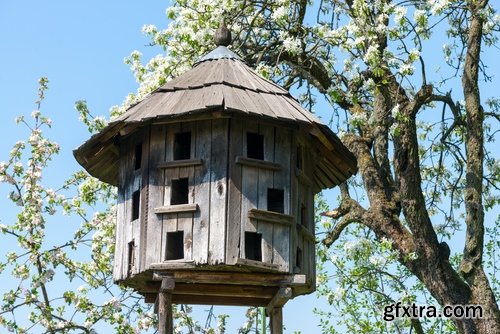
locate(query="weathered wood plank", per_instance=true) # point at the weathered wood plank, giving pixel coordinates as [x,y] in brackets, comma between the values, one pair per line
[170,224]
[170,220]
[261,104]
[205,289]
[201,223]
[249,189]
[213,73]
[248,102]
[142,238]
[232,101]
[281,250]
[185,219]
[127,212]
[234,192]
[156,184]
[177,208]
[169,103]
[276,320]
[276,102]
[180,163]
[143,110]
[165,319]
[295,197]
[258,163]
[281,297]
[252,264]
[215,98]
[136,240]
[265,228]
[283,180]
[271,217]
[120,220]
[133,183]
[185,223]
[176,106]
[134,230]
[299,267]
[118,257]
[219,300]
[218,191]
[283,156]
[180,264]
[262,279]
[128,237]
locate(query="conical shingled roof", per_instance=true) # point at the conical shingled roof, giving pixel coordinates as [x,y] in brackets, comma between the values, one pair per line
[219,81]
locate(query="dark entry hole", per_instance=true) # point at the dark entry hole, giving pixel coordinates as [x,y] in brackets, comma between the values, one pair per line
[255,146]
[253,249]
[179,191]
[298,258]
[182,146]
[175,245]
[138,156]
[303,215]
[131,257]
[136,201]
[275,200]
[299,158]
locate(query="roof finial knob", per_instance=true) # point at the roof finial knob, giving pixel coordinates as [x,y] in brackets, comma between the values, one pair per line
[222,35]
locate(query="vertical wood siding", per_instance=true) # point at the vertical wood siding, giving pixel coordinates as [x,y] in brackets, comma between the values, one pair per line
[224,191]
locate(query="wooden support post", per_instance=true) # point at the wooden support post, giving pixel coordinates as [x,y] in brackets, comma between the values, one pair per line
[165,320]
[275,309]
[277,320]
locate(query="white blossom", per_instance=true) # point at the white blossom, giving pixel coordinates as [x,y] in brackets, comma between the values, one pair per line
[116,316]
[291,44]
[406,69]
[412,256]
[334,258]
[395,111]
[82,288]
[114,302]
[437,6]
[354,245]
[339,292]
[88,324]
[419,16]
[399,14]
[372,55]
[377,260]
[279,13]
[359,118]
[414,54]
[3,167]
[149,29]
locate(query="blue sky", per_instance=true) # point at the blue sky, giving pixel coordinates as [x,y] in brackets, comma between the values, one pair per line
[80,46]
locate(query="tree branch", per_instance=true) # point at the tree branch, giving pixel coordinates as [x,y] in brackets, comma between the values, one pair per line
[474,243]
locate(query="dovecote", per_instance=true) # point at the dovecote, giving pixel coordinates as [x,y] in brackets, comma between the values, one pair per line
[216,174]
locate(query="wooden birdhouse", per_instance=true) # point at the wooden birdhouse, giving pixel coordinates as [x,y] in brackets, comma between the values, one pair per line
[216,173]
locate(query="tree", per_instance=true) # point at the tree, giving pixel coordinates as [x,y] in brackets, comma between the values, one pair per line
[424,176]
[422,138]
